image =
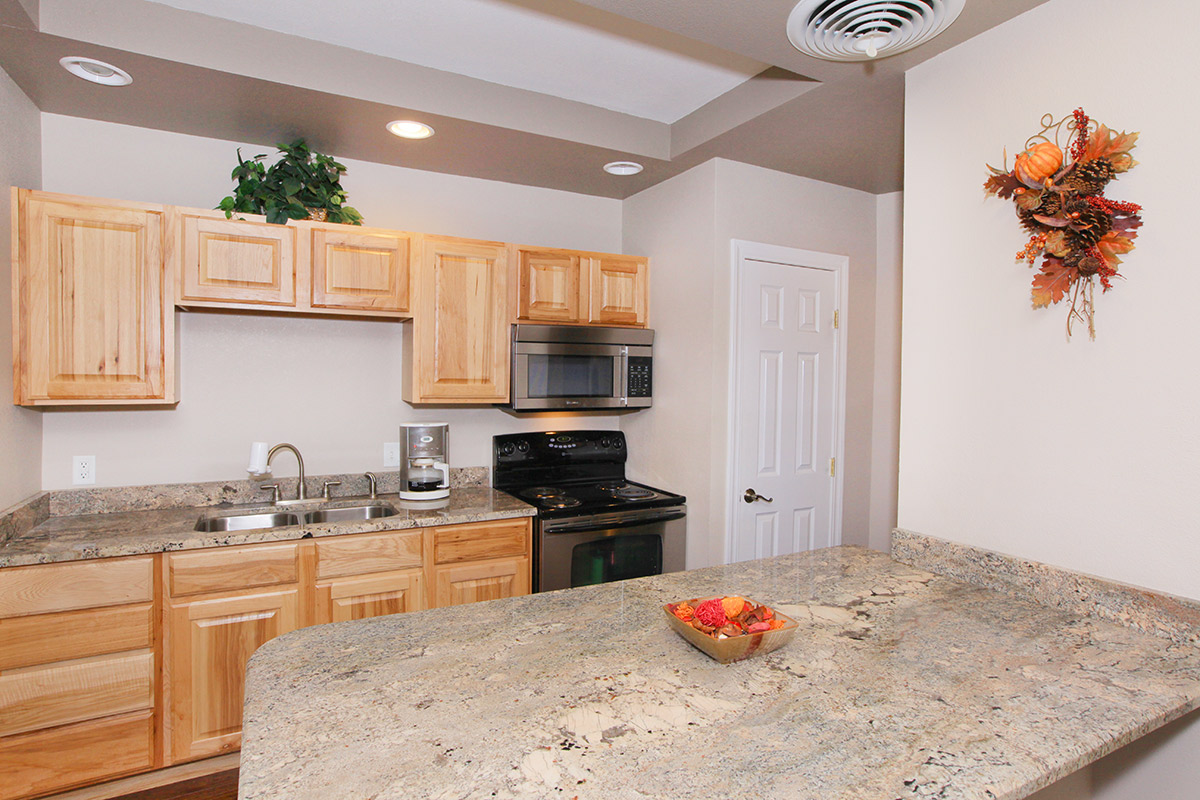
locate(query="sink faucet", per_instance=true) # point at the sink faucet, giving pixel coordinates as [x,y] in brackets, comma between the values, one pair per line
[302,491]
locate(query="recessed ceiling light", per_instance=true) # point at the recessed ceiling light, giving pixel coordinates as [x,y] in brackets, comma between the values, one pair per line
[95,71]
[623,168]
[409,129]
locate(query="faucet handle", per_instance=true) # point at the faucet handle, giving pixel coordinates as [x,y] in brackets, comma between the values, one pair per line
[325,489]
[370,476]
[273,488]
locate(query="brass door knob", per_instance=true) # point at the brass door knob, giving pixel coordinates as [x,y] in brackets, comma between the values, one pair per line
[752,496]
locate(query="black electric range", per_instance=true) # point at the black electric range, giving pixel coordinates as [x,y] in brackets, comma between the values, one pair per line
[592,525]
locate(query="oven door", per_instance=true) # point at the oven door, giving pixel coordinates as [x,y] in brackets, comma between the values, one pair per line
[582,551]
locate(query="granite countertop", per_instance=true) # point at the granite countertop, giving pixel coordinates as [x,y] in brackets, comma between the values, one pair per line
[124,533]
[899,684]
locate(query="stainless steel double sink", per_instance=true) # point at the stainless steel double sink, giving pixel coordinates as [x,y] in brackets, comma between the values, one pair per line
[280,519]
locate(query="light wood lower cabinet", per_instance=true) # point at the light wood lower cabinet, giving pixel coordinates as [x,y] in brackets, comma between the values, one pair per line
[93,313]
[375,595]
[114,666]
[210,639]
[79,673]
[482,580]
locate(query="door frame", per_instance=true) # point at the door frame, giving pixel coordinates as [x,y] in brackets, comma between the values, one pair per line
[740,250]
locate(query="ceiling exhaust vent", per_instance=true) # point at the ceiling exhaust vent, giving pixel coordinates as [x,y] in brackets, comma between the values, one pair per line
[859,30]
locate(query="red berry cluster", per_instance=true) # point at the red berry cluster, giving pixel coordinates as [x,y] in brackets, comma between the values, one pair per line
[1114,206]
[1081,133]
[1104,272]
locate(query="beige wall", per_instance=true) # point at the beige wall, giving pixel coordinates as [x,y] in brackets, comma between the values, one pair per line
[330,386]
[1081,454]
[885,415]
[20,165]
[686,225]
[674,224]
[1087,454]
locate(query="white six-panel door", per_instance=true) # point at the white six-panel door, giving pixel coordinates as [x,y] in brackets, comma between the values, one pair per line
[786,403]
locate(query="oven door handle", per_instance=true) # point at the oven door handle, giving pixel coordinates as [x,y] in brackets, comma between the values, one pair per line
[626,520]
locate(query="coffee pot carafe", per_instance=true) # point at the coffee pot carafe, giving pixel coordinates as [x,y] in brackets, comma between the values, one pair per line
[424,471]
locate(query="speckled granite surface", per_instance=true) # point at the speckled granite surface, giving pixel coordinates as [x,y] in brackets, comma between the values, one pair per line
[1153,612]
[113,499]
[71,538]
[899,684]
[22,517]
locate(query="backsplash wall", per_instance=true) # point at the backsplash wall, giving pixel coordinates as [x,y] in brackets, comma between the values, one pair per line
[330,386]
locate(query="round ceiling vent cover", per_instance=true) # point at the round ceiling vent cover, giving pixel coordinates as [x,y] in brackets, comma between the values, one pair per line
[859,30]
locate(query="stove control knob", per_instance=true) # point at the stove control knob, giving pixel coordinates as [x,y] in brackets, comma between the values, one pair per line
[507,449]
[606,442]
[523,446]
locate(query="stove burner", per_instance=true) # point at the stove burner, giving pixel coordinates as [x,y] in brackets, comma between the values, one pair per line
[542,492]
[563,501]
[626,491]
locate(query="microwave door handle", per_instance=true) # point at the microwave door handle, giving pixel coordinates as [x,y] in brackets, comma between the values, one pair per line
[621,364]
[589,525]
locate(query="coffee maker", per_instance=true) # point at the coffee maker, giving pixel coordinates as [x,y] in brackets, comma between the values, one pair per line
[424,473]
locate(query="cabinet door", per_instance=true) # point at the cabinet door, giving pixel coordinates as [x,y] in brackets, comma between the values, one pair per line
[376,595]
[360,269]
[235,261]
[94,321]
[549,288]
[209,642]
[481,580]
[619,291]
[460,331]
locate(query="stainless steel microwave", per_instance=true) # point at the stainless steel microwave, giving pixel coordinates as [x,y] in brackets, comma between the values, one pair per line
[567,367]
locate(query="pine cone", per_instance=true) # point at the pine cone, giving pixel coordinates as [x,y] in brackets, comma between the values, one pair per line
[1090,177]
[1051,204]
[1086,224]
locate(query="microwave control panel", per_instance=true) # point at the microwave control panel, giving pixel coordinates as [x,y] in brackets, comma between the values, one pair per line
[640,377]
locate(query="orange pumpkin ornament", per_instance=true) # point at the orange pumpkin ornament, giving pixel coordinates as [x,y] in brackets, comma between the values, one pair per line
[1038,162]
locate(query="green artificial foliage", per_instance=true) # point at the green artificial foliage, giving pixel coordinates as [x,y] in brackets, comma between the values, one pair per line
[299,181]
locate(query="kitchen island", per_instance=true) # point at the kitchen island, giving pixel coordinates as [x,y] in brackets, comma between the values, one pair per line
[899,684]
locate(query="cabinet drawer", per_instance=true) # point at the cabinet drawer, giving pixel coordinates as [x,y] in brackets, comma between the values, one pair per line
[45,588]
[45,638]
[232,568]
[355,555]
[40,762]
[481,540]
[57,694]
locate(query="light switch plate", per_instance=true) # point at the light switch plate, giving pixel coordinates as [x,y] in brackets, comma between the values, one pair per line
[391,454]
[83,470]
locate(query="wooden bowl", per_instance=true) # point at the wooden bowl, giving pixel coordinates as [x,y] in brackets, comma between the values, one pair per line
[734,648]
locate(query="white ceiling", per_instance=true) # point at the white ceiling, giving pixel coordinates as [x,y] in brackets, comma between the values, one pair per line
[573,53]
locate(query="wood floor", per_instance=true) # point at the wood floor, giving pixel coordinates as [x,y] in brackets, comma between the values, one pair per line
[218,786]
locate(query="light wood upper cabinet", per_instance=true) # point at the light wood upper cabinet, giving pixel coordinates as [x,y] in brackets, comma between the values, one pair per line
[93,317]
[550,285]
[356,268]
[300,267]
[619,290]
[574,287]
[458,347]
[242,261]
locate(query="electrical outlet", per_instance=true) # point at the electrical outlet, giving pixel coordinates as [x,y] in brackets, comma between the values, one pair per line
[391,454]
[83,470]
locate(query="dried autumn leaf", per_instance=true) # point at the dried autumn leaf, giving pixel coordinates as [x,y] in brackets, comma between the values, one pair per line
[1001,185]
[1028,200]
[1053,282]
[1112,246]
[1127,225]
[1105,143]
[1056,243]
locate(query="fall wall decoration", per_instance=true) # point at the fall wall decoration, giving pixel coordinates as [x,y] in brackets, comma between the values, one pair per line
[1079,233]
